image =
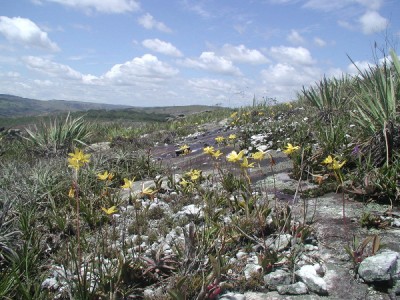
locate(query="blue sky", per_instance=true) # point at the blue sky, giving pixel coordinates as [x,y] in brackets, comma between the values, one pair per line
[182,52]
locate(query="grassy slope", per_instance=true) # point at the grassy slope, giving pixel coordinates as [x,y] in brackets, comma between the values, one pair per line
[16,111]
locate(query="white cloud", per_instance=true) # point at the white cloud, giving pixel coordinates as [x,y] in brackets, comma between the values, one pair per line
[51,68]
[103,6]
[371,4]
[146,68]
[210,62]
[295,37]
[43,83]
[327,5]
[207,84]
[162,47]
[197,8]
[283,81]
[332,5]
[24,31]
[372,22]
[354,69]
[319,42]
[132,73]
[243,55]
[148,22]
[13,74]
[292,55]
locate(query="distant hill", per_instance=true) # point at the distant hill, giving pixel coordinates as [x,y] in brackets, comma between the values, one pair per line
[14,106]
[18,111]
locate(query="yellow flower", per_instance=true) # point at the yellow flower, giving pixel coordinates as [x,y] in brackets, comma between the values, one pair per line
[208,150]
[233,115]
[216,154]
[260,155]
[290,149]
[328,160]
[333,163]
[110,211]
[184,182]
[336,165]
[245,163]
[234,156]
[185,149]
[232,137]
[71,192]
[219,139]
[149,192]
[127,183]
[78,159]
[194,174]
[105,176]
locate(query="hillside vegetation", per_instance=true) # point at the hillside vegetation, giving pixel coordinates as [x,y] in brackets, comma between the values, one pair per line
[17,111]
[150,212]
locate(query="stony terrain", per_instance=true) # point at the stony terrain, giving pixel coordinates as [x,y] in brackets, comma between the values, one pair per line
[325,216]
[322,269]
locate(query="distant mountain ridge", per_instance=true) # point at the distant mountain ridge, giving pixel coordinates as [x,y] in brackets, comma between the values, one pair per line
[14,106]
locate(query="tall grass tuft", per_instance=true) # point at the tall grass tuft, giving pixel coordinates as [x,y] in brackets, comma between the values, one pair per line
[58,136]
[377,103]
[329,96]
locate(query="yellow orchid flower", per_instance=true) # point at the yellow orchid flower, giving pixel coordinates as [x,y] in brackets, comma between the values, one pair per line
[78,159]
[127,183]
[232,137]
[148,192]
[336,165]
[219,139]
[216,154]
[245,164]
[332,163]
[290,149]
[185,149]
[328,160]
[234,114]
[260,155]
[110,211]
[184,183]
[208,150]
[105,176]
[234,156]
[194,174]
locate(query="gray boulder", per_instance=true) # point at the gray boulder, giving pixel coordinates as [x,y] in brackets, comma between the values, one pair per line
[279,277]
[380,267]
[298,288]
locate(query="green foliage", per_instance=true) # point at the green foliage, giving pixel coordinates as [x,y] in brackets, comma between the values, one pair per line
[329,96]
[358,250]
[377,95]
[58,136]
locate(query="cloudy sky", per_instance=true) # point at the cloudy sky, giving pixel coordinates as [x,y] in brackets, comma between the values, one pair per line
[181,52]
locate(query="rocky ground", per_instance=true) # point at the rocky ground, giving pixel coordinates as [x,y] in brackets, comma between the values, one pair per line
[322,267]
[325,215]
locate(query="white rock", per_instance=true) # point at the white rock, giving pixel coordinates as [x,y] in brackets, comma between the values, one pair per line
[241,254]
[309,276]
[232,296]
[250,269]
